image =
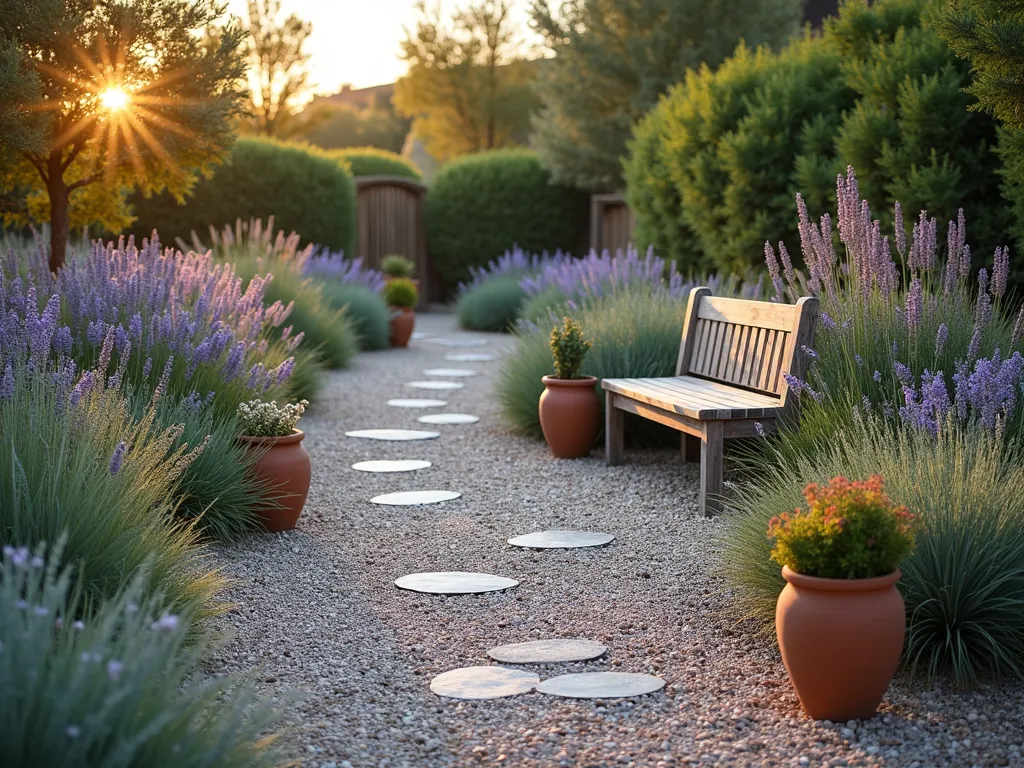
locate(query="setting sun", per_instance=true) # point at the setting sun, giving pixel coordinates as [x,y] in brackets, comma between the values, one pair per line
[114,98]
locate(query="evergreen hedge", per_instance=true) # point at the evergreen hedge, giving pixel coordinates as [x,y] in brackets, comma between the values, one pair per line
[371,161]
[304,189]
[713,170]
[483,204]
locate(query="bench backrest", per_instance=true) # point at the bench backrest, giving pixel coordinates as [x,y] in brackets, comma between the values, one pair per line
[747,344]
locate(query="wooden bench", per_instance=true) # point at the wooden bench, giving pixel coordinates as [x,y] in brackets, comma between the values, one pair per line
[729,380]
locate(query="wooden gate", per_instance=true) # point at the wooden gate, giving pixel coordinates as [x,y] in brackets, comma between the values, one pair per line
[391,221]
[611,222]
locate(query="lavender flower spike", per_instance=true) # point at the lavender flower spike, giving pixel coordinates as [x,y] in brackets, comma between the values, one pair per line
[118,458]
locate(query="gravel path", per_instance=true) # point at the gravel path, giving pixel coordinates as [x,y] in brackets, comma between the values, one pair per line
[317,611]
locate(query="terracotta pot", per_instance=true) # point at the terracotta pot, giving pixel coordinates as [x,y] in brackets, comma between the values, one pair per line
[841,641]
[570,415]
[403,320]
[285,466]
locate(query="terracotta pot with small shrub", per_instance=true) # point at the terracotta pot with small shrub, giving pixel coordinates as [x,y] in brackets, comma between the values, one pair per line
[569,407]
[283,461]
[840,620]
[397,267]
[401,296]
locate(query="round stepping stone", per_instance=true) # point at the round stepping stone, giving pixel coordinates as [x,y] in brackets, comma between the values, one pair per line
[385,465]
[418,335]
[561,540]
[460,342]
[454,583]
[414,498]
[449,418]
[450,373]
[547,651]
[415,402]
[483,683]
[601,685]
[435,385]
[470,357]
[393,434]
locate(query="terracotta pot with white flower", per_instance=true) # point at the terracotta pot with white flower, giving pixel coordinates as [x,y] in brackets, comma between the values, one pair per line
[840,620]
[283,461]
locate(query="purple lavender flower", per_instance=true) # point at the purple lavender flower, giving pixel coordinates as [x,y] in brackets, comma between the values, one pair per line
[114,669]
[1000,271]
[117,458]
[915,299]
[7,383]
[941,336]
[166,623]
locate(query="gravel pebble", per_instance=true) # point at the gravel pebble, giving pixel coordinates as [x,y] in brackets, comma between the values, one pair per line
[316,612]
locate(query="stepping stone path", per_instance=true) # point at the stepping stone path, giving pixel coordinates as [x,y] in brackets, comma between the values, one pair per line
[561,539]
[450,373]
[470,357]
[460,342]
[435,385]
[414,498]
[415,402]
[449,418]
[418,335]
[384,465]
[548,651]
[393,434]
[454,583]
[601,685]
[477,683]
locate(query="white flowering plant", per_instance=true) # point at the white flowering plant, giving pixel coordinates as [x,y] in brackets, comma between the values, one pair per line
[114,686]
[260,419]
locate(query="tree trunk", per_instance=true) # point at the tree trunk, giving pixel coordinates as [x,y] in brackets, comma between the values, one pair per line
[60,224]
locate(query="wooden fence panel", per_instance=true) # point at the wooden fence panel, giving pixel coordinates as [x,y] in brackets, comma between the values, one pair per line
[611,222]
[390,220]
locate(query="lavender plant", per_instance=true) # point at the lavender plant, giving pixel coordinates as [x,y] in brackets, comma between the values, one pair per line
[116,687]
[513,263]
[906,330]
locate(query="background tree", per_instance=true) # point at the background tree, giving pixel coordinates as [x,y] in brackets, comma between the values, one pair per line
[991,34]
[468,86]
[334,126]
[277,65]
[614,58]
[101,95]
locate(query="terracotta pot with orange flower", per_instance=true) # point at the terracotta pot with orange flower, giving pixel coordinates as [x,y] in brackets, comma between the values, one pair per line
[840,620]
[269,431]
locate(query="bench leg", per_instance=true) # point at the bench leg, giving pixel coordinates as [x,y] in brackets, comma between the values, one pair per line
[691,448]
[712,449]
[614,431]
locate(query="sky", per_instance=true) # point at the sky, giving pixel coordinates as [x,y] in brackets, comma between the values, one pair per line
[357,41]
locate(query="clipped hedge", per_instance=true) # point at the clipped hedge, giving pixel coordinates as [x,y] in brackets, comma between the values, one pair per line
[372,161]
[304,189]
[481,205]
[493,305]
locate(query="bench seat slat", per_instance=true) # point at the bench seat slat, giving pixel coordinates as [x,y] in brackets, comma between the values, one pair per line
[696,398]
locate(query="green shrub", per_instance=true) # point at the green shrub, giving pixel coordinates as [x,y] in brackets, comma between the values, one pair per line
[569,349]
[492,305]
[723,153]
[258,418]
[302,188]
[365,309]
[964,584]
[395,265]
[371,161]
[401,293]
[539,308]
[481,205]
[117,688]
[634,333]
[106,481]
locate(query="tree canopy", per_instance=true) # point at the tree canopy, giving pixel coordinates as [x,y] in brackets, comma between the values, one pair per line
[614,58]
[98,96]
[277,66]
[469,83]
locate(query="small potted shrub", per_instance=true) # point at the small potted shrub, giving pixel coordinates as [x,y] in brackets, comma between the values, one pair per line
[396,267]
[569,408]
[284,461]
[840,620]
[401,296]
